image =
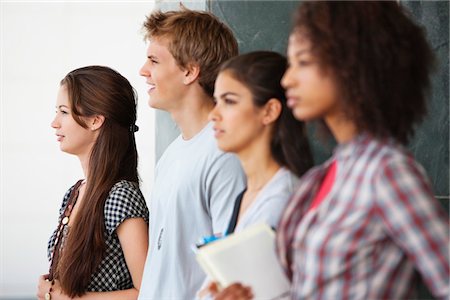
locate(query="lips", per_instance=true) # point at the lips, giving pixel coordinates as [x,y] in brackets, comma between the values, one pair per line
[218,132]
[151,87]
[59,137]
[291,99]
[291,102]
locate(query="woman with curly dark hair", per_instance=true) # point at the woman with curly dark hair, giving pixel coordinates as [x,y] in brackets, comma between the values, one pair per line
[361,224]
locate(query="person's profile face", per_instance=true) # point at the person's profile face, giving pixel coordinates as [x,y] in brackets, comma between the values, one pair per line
[238,123]
[72,137]
[310,92]
[163,76]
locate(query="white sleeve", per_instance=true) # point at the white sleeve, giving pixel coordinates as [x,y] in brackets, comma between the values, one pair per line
[224,181]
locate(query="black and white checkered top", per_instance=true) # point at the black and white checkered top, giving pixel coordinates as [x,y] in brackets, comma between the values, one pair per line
[124,201]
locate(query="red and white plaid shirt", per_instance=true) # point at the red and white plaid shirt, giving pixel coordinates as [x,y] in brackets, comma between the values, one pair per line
[378,224]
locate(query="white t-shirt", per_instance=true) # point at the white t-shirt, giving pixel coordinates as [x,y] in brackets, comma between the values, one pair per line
[270,201]
[193,196]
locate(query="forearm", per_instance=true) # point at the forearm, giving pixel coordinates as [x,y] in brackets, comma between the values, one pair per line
[119,295]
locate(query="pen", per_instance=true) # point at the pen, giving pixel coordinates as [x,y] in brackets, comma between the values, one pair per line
[211,238]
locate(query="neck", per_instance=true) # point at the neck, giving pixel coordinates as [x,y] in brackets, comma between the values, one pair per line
[192,116]
[259,167]
[342,128]
[84,160]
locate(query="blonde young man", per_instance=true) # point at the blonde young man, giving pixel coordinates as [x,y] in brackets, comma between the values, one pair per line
[195,183]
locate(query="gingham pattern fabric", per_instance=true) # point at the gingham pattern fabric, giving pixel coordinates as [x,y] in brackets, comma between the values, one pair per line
[124,201]
[378,224]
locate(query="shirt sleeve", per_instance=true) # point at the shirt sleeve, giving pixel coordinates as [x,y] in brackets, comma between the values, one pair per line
[416,221]
[224,182]
[124,202]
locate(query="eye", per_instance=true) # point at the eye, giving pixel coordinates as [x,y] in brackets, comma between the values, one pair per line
[229,101]
[62,111]
[304,62]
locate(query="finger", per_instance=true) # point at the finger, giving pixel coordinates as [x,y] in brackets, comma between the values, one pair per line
[43,287]
[235,291]
[213,288]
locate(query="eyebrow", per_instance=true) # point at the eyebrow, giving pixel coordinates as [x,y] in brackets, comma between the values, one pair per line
[62,106]
[302,51]
[151,56]
[228,94]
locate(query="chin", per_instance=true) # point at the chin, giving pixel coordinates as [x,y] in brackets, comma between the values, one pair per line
[300,115]
[157,104]
[223,147]
[152,103]
[65,150]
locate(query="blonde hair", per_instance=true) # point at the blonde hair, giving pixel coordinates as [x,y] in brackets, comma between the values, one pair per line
[194,37]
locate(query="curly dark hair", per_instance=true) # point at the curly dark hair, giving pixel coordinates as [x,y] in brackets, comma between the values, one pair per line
[379,57]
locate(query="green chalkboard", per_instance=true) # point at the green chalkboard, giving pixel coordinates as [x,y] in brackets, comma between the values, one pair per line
[431,142]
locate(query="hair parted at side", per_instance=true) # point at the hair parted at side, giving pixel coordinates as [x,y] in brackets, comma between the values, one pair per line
[97,90]
[379,57]
[261,73]
[194,37]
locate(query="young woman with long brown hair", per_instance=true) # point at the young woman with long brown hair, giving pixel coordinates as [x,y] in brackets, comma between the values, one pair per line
[100,243]
[252,119]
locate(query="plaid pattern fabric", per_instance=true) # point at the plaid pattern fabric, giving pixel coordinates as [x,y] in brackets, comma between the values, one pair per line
[124,201]
[378,225]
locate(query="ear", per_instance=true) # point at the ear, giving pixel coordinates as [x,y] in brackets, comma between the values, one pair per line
[271,111]
[96,122]
[191,73]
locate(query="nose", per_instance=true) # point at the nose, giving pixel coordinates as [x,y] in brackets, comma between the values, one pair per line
[286,79]
[55,124]
[214,114]
[145,71]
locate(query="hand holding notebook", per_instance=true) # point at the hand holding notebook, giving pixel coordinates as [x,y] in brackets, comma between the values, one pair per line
[247,257]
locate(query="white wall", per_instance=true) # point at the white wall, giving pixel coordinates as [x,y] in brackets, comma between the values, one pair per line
[40,43]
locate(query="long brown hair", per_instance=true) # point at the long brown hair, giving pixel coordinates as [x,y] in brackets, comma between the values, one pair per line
[261,73]
[97,90]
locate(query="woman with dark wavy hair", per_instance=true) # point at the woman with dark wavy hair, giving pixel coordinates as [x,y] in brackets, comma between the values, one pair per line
[100,243]
[364,224]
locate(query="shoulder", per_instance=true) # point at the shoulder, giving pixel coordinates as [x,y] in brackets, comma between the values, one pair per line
[370,158]
[125,192]
[124,201]
[125,198]
[389,156]
[378,151]
[282,185]
[393,174]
